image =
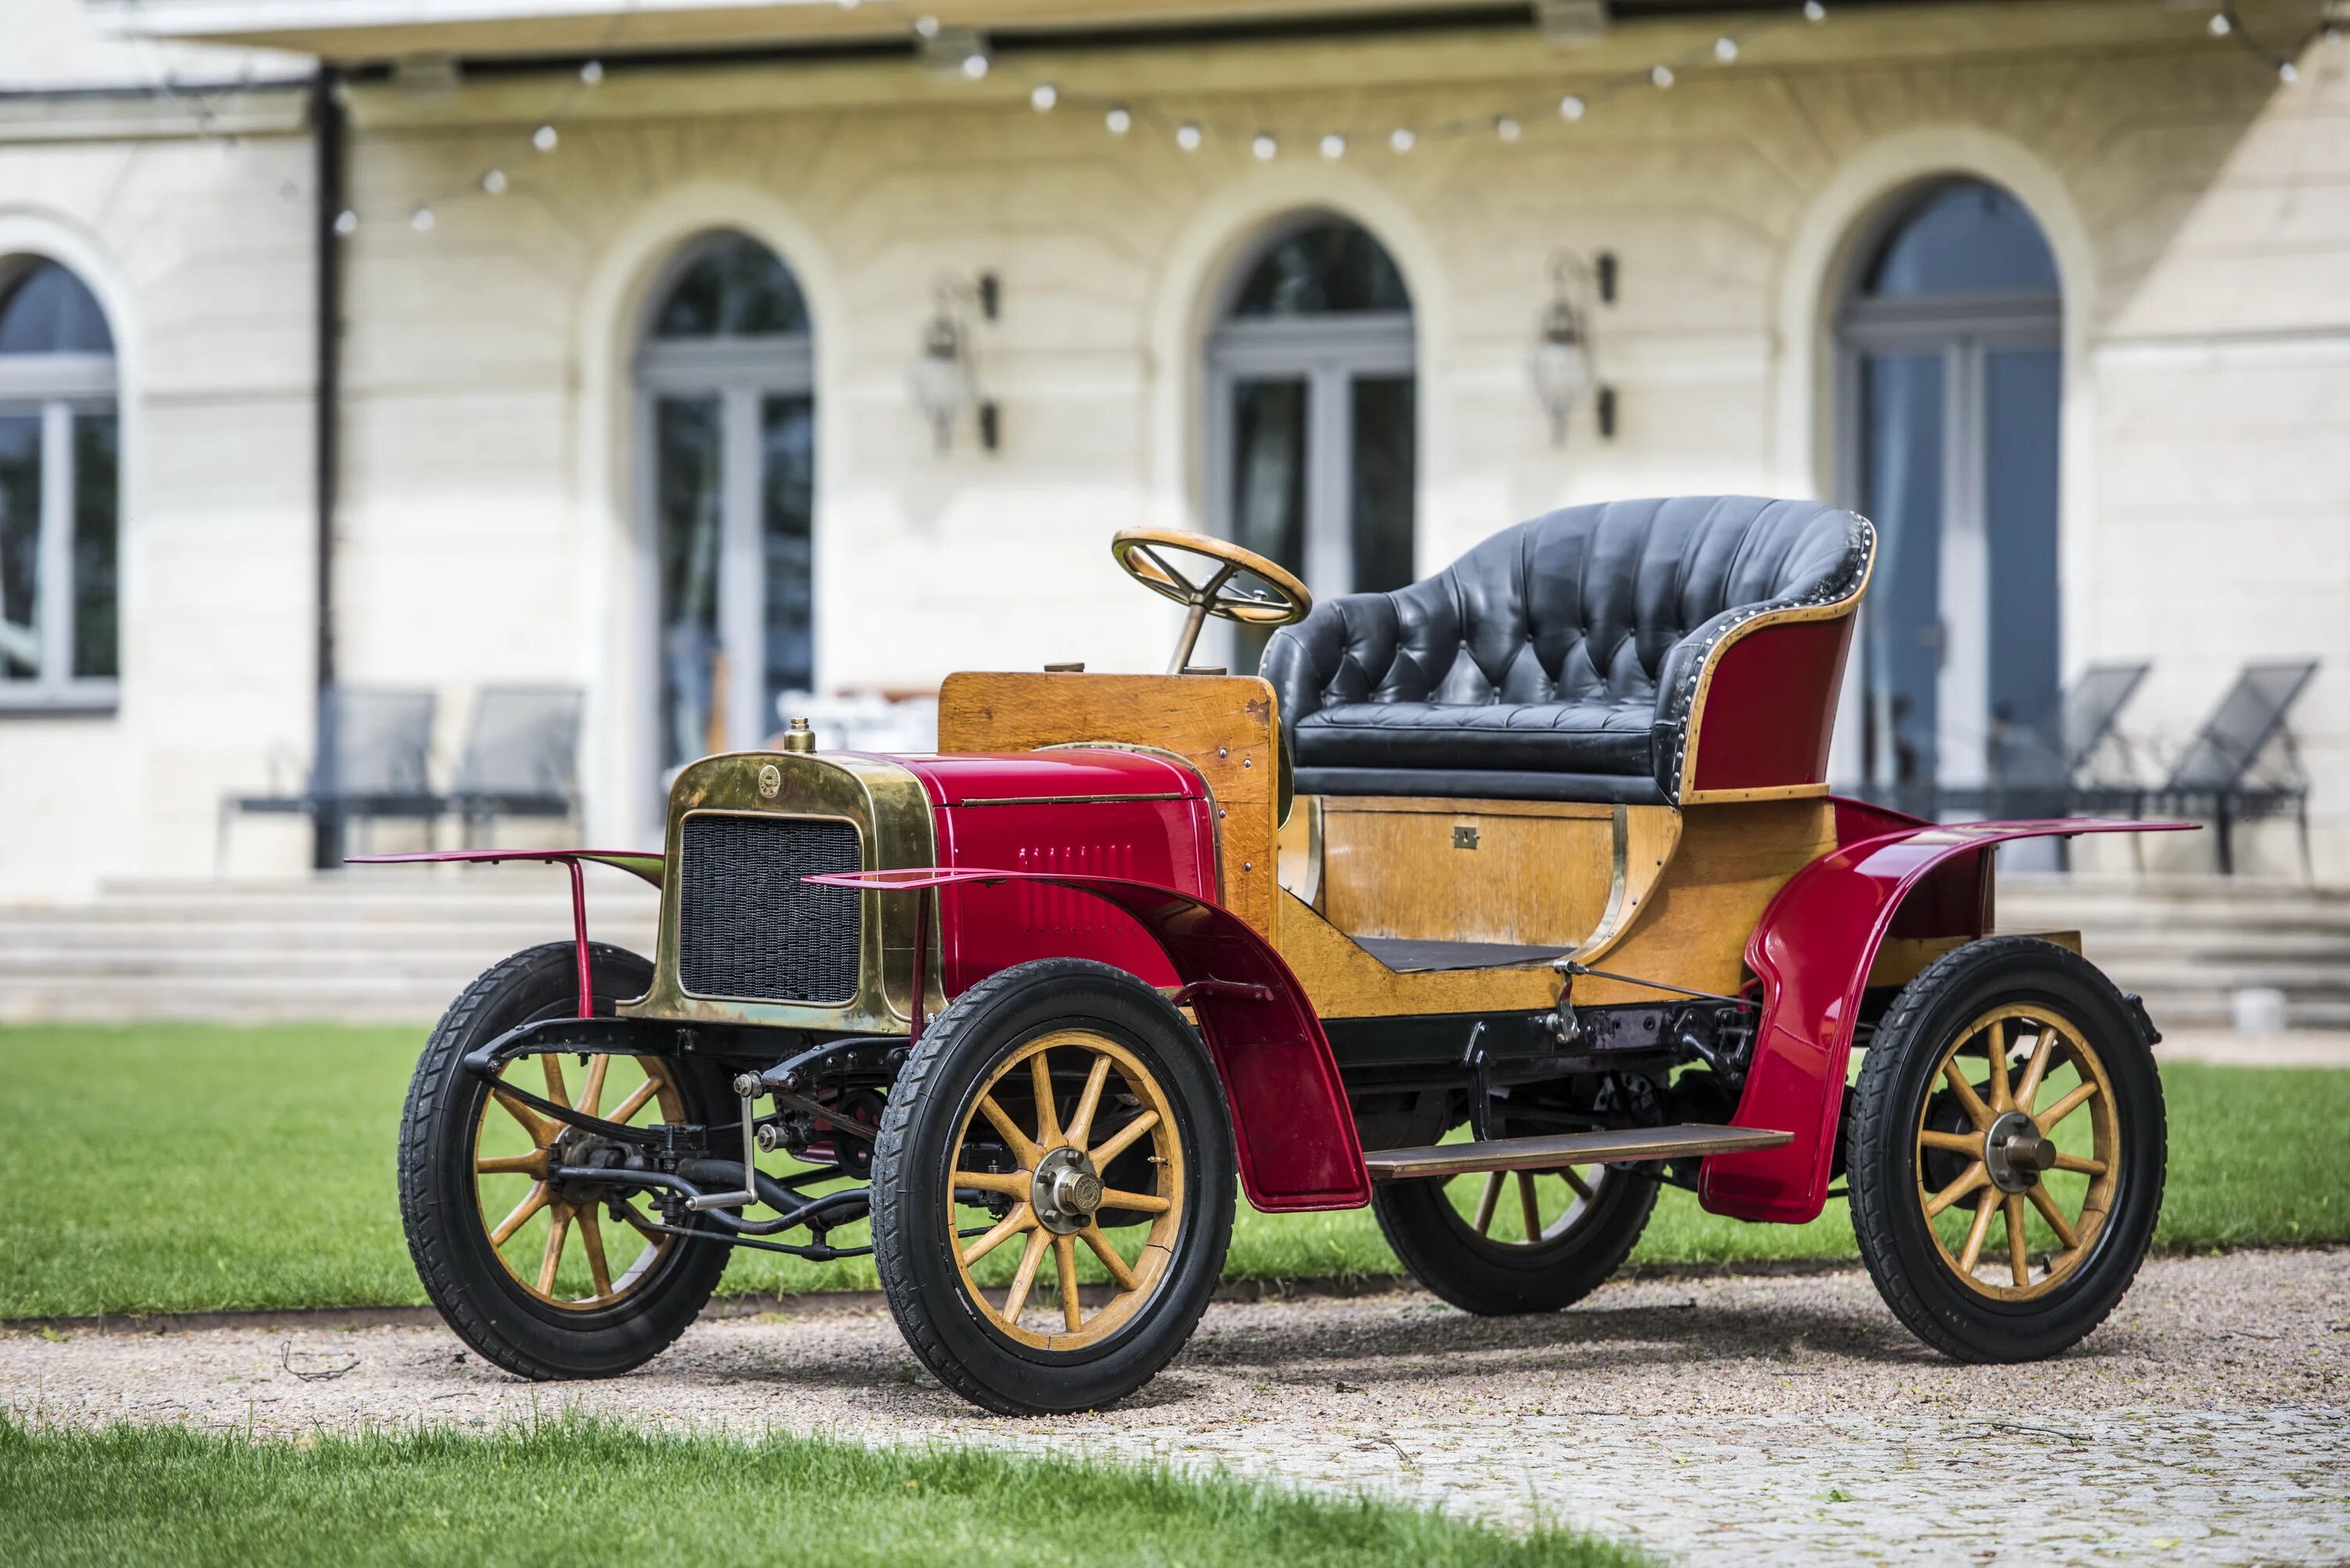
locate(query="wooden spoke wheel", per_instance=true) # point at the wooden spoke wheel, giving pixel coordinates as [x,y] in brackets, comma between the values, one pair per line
[543,1275]
[2023,1134]
[1053,1188]
[2006,1150]
[563,1241]
[1051,1174]
[1498,1242]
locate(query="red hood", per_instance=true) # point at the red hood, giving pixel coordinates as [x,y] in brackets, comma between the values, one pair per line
[978,778]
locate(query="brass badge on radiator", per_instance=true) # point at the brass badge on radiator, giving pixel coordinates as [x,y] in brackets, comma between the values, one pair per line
[771,781]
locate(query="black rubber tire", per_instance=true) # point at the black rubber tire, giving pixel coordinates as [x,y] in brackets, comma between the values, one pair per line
[1494,1279]
[1895,1080]
[439,1211]
[913,1233]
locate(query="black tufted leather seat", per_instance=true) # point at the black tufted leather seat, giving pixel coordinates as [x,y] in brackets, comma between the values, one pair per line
[1556,661]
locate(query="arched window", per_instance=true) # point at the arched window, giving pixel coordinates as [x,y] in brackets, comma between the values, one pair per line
[1950,335]
[1312,434]
[726,388]
[59,516]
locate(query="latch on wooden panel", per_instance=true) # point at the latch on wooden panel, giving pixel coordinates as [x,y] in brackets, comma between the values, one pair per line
[1464,835]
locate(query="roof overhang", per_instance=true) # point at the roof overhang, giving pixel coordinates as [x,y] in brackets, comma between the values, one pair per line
[363,31]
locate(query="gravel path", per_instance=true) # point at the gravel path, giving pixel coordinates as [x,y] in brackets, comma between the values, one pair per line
[1740,1420]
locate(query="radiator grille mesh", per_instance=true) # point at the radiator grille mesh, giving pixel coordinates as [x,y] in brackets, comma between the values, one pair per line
[748,926]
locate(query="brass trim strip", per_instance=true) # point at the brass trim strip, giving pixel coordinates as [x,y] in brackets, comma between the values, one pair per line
[1567,1149]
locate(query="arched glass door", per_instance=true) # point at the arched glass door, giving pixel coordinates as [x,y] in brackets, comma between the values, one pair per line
[726,387]
[1952,379]
[1312,438]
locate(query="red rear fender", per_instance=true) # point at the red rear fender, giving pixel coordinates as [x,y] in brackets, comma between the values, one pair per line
[1812,950]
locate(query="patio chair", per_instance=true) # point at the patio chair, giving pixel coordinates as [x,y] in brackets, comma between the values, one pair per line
[370,762]
[521,757]
[2053,767]
[2222,775]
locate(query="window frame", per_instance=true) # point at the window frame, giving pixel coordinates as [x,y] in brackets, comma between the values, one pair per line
[55,388]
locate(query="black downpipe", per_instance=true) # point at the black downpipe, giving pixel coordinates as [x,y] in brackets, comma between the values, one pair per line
[327,126]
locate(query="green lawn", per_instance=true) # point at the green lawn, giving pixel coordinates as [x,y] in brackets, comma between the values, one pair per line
[182,1167]
[575,1493]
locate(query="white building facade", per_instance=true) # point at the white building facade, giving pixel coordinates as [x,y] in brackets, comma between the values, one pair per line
[639,306]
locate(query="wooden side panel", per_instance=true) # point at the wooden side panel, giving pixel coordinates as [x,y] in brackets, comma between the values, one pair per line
[1732,860]
[1457,871]
[1342,980]
[1222,725]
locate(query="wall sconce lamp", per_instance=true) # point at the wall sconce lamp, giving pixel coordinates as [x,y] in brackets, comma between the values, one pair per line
[1561,364]
[946,373]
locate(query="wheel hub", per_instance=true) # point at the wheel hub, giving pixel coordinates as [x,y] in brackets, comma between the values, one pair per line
[2015,1152]
[1064,1191]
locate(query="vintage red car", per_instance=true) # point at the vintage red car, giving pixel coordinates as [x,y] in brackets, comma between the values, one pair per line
[1493,903]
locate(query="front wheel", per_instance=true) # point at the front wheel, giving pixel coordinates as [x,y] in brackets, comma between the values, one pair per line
[1053,1189]
[2006,1151]
[544,1278]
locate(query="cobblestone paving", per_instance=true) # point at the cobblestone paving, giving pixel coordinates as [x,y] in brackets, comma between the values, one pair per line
[1736,1421]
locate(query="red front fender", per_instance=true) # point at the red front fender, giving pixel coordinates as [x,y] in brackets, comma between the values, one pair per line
[1812,949]
[1291,1123]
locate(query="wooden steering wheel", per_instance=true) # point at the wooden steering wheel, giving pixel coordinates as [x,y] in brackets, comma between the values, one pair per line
[1240,585]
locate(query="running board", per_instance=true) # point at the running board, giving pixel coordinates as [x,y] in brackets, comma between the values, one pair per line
[1567,1149]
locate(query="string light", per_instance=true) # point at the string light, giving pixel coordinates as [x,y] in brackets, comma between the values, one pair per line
[1401,138]
[1725,50]
[1814,11]
[1505,127]
[2287,72]
[592,72]
[928,26]
[1570,108]
[347,222]
[1661,74]
[2220,25]
[974,65]
[1120,120]
[1044,96]
[1334,146]
[1264,147]
[543,139]
[1187,135]
[421,220]
[493,181]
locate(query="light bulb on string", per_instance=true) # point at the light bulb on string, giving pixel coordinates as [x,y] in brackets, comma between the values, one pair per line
[2287,72]
[543,139]
[974,65]
[1402,139]
[1570,108]
[1334,146]
[347,222]
[1815,11]
[1119,120]
[1725,50]
[928,26]
[592,72]
[2220,25]
[1187,135]
[1043,96]
[1505,127]
[421,220]
[1264,147]
[1662,75]
[493,181]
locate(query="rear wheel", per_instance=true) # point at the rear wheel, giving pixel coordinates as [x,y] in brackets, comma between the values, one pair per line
[1053,1189]
[2007,1151]
[1499,1243]
[543,1278]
